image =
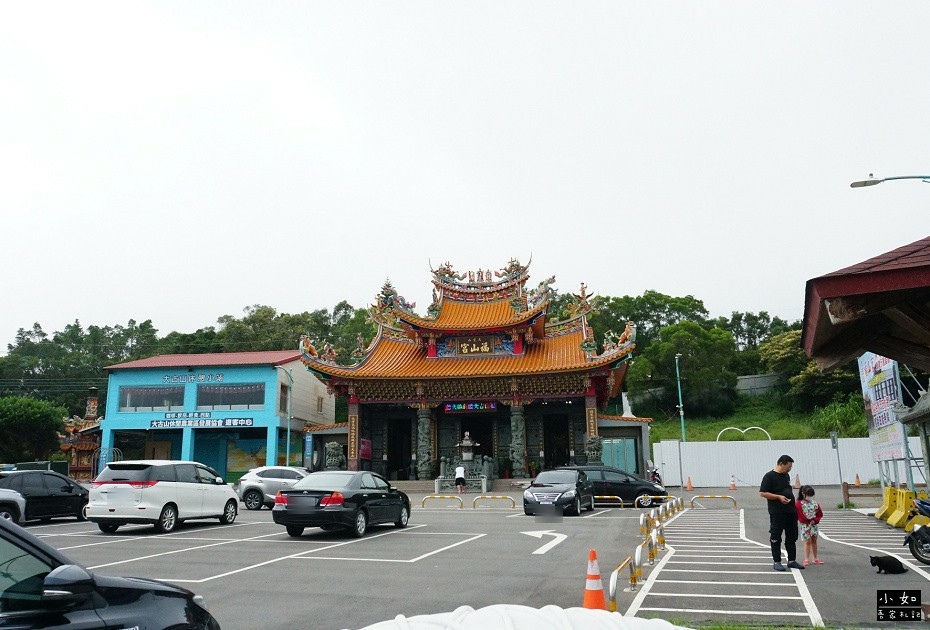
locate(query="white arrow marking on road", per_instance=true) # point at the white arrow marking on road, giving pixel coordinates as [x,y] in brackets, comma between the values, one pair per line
[549,545]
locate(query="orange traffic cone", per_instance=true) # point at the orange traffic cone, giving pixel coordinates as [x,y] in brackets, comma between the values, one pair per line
[594,588]
[797,482]
[858,483]
[732,482]
[689,487]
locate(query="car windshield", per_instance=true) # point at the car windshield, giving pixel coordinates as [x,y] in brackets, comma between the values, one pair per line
[556,476]
[324,481]
[125,472]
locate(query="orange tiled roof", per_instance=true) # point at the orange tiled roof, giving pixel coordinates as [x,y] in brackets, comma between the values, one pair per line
[401,359]
[310,428]
[603,416]
[457,315]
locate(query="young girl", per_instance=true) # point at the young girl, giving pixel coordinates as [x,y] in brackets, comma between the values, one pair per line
[809,515]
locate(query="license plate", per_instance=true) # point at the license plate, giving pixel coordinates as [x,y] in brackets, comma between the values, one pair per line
[545,502]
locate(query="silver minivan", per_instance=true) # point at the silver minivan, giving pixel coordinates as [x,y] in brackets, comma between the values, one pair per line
[162,493]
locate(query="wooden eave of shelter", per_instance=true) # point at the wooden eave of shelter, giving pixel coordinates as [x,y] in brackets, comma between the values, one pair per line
[492,316]
[880,305]
[395,357]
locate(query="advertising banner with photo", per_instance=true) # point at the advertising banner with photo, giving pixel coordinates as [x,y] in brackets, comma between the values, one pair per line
[881,391]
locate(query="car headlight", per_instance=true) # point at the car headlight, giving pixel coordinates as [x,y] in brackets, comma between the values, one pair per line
[528,495]
[570,494]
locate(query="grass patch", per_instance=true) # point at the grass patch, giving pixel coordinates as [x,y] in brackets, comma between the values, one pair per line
[765,412]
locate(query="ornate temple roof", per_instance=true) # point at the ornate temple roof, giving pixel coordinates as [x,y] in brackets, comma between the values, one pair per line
[454,315]
[395,356]
[487,302]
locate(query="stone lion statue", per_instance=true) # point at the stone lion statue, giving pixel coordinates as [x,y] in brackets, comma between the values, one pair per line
[335,460]
[593,447]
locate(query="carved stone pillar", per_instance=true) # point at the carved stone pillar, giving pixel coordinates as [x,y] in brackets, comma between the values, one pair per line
[424,434]
[518,441]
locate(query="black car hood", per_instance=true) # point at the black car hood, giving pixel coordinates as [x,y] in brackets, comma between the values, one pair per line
[553,487]
[141,584]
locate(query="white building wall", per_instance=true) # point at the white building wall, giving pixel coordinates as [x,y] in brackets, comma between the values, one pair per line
[710,464]
[304,397]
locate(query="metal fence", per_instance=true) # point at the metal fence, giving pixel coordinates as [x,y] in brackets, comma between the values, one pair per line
[711,464]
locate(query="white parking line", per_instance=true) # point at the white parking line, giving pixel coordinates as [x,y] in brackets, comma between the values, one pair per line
[736,549]
[303,554]
[174,551]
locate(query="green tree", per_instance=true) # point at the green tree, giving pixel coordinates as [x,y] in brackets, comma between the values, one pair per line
[707,382]
[805,385]
[29,428]
[651,312]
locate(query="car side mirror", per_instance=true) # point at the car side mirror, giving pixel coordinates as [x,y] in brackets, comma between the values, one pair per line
[66,488]
[219,481]
[66,586]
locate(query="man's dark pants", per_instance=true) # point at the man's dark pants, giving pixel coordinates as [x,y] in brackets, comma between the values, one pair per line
[786,522]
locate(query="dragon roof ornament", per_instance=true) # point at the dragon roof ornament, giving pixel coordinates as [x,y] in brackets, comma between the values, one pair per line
[384,310]
[482,280]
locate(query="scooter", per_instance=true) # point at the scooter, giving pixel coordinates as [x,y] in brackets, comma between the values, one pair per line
[653,475]
[918,540]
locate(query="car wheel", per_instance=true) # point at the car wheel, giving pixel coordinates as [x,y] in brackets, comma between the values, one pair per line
[576,508]
[643,501]
[108,528]
[253,500]
[295,530]
[229,513]
[82,514]
[591,504]
[9,513]
[527,512]
[167,520]
[404,516]
[361,524]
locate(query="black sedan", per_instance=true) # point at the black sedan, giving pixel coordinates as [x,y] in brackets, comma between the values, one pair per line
[47,493]
[557,492]
[340,499]
[613,482]
[41,588]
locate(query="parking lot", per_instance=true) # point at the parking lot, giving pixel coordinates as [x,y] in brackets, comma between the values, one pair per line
[717,566]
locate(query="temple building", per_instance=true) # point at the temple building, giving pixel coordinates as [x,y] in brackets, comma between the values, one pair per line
[485,361]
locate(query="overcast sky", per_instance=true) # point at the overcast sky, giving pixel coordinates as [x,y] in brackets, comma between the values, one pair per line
[179,161]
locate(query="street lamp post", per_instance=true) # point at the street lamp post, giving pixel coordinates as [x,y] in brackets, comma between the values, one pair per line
[871,181]
[681,407]
[290,386]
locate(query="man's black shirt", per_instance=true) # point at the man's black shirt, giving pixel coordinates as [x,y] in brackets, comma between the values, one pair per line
[778,483]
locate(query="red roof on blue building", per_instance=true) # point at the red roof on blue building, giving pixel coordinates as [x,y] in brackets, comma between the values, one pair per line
[221,359]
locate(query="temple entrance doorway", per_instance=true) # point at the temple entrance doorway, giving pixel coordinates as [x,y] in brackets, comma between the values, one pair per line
[555,441]
[398,449]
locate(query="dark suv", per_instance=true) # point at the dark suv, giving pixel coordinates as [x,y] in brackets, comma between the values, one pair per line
[613,482]
[41,588]
[47,493]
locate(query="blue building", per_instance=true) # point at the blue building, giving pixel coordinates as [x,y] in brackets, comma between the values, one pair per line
[228,411]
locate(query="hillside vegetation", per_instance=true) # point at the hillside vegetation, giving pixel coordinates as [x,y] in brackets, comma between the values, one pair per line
[846,417]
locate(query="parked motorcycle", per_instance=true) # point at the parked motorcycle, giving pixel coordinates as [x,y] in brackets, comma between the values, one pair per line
[652,474]
[918,540]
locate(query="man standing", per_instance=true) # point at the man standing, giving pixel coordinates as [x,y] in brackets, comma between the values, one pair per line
[783,517]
